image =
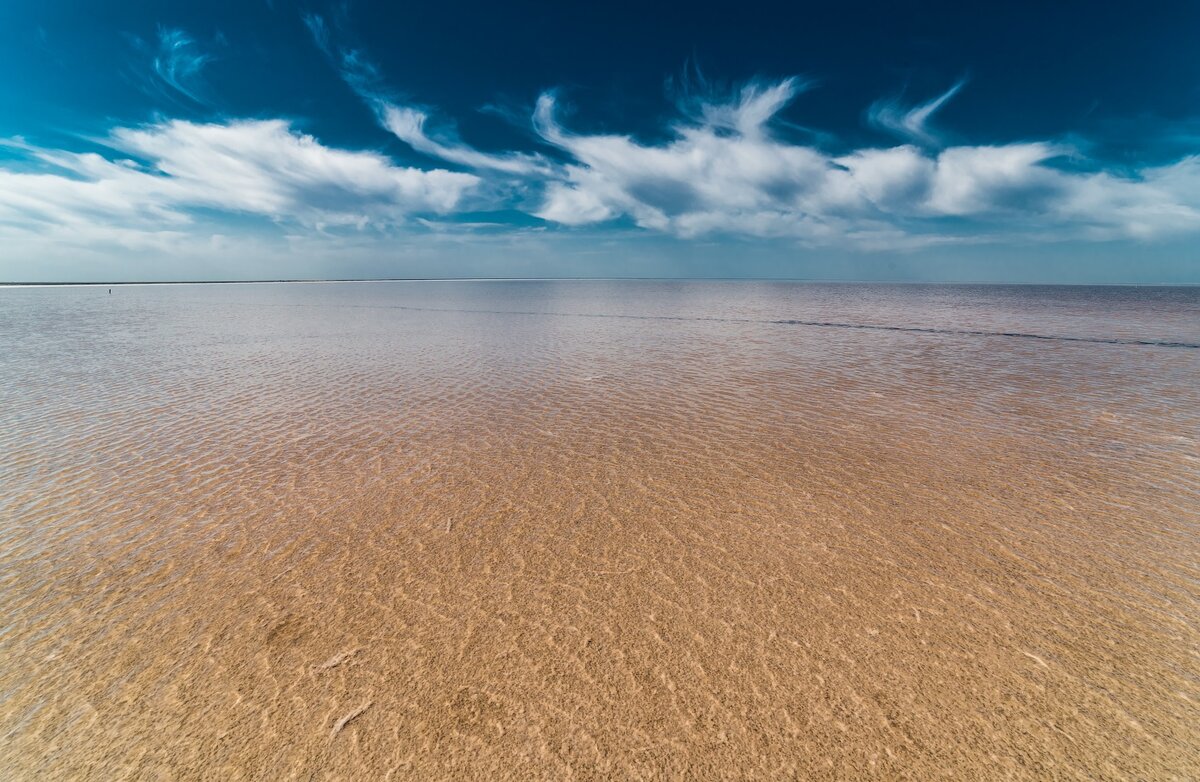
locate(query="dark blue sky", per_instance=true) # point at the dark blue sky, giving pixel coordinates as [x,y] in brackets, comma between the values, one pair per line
[194,140]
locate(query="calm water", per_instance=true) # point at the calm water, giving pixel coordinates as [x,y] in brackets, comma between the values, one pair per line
[599,529]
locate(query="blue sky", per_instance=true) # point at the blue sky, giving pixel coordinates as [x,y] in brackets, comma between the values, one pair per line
[911,141]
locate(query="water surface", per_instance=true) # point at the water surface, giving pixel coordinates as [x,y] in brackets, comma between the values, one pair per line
[599,530]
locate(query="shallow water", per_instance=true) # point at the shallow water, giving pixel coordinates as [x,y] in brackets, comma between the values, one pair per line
[599,530]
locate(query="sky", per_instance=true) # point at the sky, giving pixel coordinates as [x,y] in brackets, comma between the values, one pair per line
[915,141]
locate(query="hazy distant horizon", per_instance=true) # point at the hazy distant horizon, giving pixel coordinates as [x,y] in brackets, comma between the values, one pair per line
[814,280]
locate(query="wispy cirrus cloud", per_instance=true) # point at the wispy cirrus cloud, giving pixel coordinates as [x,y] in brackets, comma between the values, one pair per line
[911,123]
[409,122]
[173,67]
[748,110]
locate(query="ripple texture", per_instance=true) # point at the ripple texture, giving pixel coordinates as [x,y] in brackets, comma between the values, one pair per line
[599,531]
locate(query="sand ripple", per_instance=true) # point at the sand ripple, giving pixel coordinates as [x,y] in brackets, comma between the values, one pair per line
[400,532]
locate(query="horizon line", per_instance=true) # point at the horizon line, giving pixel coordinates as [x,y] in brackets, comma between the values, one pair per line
[811,280]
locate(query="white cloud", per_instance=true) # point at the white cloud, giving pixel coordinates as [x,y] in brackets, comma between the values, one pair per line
[753,107]
[896,180]
[1162,201]
[726,172]
[265,167]
[408,125]
[726,169]
[572,205]
[162,173]
[406,122]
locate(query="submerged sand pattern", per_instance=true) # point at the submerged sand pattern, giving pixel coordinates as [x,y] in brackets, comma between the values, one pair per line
[394,531]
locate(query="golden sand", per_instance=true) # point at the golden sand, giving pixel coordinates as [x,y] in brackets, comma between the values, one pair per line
[685,557]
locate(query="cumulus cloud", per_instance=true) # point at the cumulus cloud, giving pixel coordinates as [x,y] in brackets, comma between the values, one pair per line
[726,171]
[727,167]
[159,175]
[723,173]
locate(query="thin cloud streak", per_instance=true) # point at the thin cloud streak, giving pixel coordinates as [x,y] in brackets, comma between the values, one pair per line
[175,70]
[407,122]
[911,124]
[179,63]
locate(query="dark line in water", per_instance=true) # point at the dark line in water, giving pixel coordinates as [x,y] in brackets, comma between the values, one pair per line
[825,324]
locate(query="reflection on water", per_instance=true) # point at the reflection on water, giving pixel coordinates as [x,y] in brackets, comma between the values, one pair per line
[493,530]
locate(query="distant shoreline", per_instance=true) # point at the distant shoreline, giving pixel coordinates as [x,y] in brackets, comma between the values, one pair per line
[807,280]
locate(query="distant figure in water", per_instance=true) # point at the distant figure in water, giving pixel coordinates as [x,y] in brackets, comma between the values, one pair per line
[110,291]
